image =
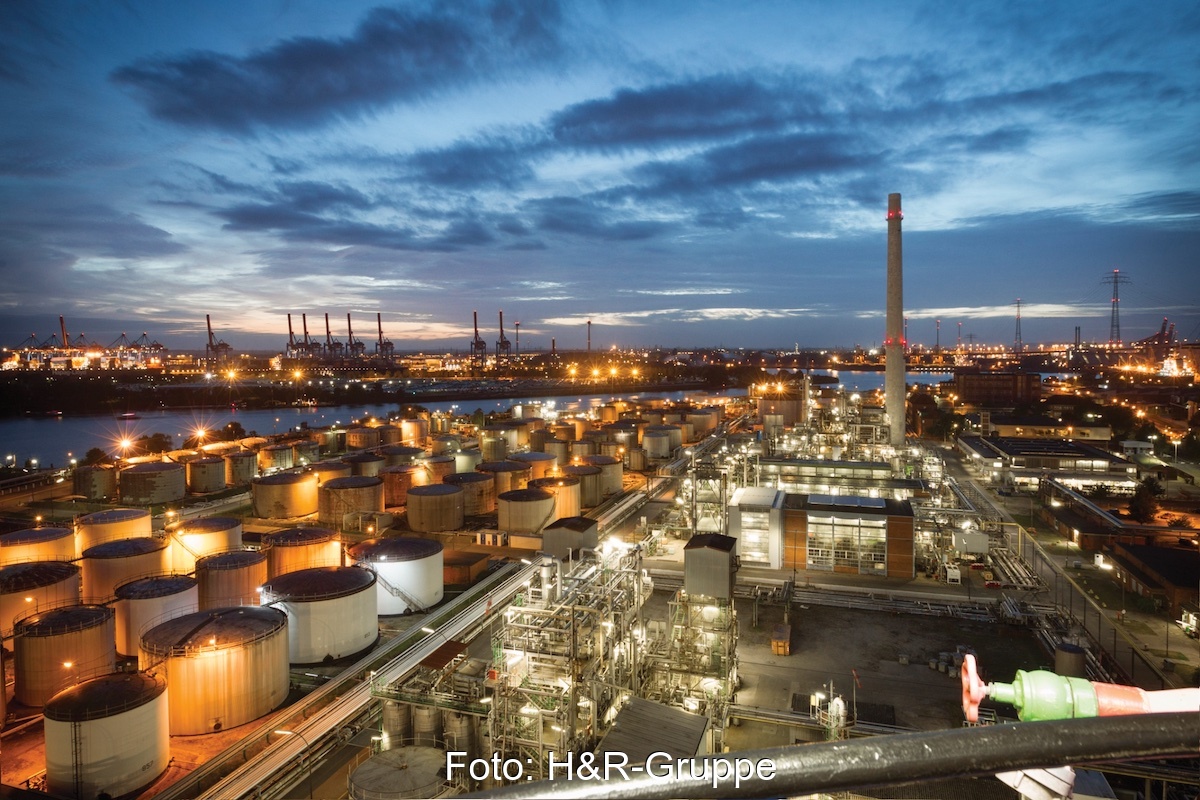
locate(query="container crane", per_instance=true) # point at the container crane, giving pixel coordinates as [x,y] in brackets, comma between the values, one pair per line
[309,345]
[503,346]
[216,353]
[478,347]
[383,347]
[333,348]
[293,346]
[356,348]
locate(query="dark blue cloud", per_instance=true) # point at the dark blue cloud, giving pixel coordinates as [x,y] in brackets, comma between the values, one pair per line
[581,217]
[396,55]
[490,161]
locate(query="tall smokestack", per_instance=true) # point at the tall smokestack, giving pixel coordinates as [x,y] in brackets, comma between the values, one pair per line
[893,346]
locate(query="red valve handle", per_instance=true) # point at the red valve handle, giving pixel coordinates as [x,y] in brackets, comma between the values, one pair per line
[973,689]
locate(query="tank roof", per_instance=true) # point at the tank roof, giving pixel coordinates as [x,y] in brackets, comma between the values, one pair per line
[33,535]
[285,478]
[34,575]
[502,466]
[232,559]
[154,586]
[208,460]
[353,482]
[581,469]
[595,461]
[402,450]
[119,548]
[526,495]
[362,458]
[214,629]
[434,489]
[436,459]
[206,524]
[281,446]
[395,548]
[62,620]
[459,478]
[113,515]
[154,466]
[240,454]
[318,583]
[406,469]
[105,696]
[563,480]
[532,456]
[298,536]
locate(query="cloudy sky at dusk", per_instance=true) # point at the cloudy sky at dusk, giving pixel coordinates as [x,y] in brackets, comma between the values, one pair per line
[696,173]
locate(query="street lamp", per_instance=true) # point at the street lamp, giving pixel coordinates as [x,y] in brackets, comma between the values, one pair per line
[1176,443]
[307,747]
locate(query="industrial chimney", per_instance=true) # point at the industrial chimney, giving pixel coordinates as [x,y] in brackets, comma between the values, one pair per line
[894,345]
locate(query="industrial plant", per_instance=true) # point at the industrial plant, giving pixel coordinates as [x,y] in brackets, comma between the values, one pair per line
[439,604]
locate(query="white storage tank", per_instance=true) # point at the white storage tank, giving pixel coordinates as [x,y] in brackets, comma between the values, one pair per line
[37,544]
[673,432]
[611,473]
[365,464]
[60,647]
[116,523]
[401,454]
[493,443]
[254,442]
[445,445]
[108,565]
[225,666]
[108,736]
[328,470]
[284,496]
[657,443]
[479,492]
[305,452]
[559,448]
[582,447]
[415,431]
[153,482]
[32,585]
[438,467]
[525,510]
[142,603]
[97,482]
[196,538]
[576,425]
[294,549]
[540,464]
[241,467]
[398,480]
[362,438]
[408,569]
[508,475]
[467,460]
[520,430]
[409,771]
[538,439]
[591,483]
[333,612]
[389,434]
[704,420]
[353,495]
[436,507]
[231,579]
[205,475]
[567,493]
[638,459]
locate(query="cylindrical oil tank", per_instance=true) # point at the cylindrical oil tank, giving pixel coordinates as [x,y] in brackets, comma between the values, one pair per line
[438,467]
[399,479]
[108,736]
[508,475]
[559,448]
[153,482]
[342,496]
[611,449]
[607,412]
[362,438]
[657,443]
[704,420]
[404,772]
[368,464]
[493,446]
[624,435]
[611,473]
[305,452]
[467,460]
[567,494]
[638,459]
[479,492]
[96,482]
[231,579]
[396,723]
[295,549]
[436,507]
[408,568]
[564,431]
[538,439]
[415,431]
[445,445]
[328,470]
[254,442]
[460,733]
[427,726]
[143,603]
[196,538]
[389,434]
[441,423]
[225,666]
[582,447]
[332,612]
[332,440]
[540,464]
[596,436]
[275,457]
[401,454]
[687,431]
[62,646]
[519,433]
[37,544]
[206,475]
[525,510]
[108,565]
[1070,660]
[674,435]
[116,523]
[577,425]
[672,417]
[32,585]
[591,483]
[284,495]
[241,467]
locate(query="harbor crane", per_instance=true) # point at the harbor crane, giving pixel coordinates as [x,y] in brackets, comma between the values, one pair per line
[216,352]
[503,346]
[478,347]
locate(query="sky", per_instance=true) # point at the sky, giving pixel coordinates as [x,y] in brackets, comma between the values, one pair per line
[682,174]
